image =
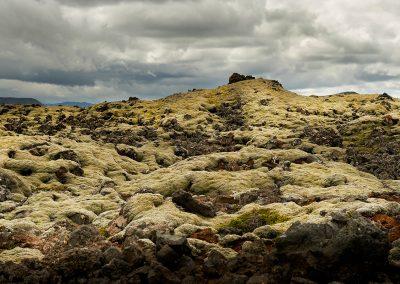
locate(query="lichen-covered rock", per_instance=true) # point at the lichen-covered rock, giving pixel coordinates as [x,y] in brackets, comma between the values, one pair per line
[10,182]
[335,180]
[19,254]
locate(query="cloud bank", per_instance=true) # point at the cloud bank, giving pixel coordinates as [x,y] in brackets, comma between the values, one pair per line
[96,50]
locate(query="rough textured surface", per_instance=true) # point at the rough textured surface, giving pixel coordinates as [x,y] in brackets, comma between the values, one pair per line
[245,183]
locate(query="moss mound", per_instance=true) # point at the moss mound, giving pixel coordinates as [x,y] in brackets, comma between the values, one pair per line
[249,221]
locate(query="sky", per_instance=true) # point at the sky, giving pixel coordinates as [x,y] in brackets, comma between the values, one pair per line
[97,50]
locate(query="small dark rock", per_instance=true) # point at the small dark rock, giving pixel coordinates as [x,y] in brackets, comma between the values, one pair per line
[160,274]
[178,243]
[133,254]
[111,253]
[11,154]
[61,174]
[129,152]
[66,155]
[83,236]
[168,257]
[79,218]
[185,200]
[286,165]
[4,192]
[215,263]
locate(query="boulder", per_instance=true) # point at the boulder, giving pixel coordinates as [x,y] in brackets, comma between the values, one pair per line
[349,250]
[188,203]
[84,236]
[236,77]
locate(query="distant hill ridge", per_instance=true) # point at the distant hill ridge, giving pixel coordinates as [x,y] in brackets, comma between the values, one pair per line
[79,104]
[19,101]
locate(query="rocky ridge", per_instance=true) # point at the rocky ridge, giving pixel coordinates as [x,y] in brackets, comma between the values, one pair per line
[247,183]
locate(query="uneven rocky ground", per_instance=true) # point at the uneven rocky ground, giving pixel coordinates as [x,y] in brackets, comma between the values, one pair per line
[246,183]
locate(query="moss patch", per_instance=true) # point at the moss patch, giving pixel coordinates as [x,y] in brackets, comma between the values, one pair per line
[250,221]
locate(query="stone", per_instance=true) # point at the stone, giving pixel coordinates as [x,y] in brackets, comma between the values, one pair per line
[178,243]
[18,254]
[112,253]
[132,254]
[385,96]
[61,174]
[215,263]
[235,77]
[286,165]
[187,202]
[168,257]
[335,180]
[80,217]
[4,192]
[333,247]
[161,274]
[394,257]
[78,261]
[266,232]
[66,155]
[206,235]
[84,236]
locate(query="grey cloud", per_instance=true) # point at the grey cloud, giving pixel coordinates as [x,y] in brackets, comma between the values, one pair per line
[92,3]
[118,73]
[56,77]
[100,49]
[375,76]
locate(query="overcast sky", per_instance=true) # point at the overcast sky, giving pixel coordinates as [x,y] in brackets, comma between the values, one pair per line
[95,50]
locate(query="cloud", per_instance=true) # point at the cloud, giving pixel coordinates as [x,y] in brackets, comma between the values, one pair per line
[93,3]
[99,49]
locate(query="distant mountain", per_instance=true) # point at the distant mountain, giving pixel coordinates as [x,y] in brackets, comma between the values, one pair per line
[347,93]
[79,104]
[19,101]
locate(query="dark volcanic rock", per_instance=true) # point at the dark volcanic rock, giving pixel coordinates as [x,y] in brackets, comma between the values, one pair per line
[376,151]
[185,200]
[215,263]
[335,251]
[323,136]
[61,174]
[129,152]
[84,236]
[384,96]
[236,77]
[66,155]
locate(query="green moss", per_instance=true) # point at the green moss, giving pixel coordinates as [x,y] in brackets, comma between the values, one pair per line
[103,232]
[362,135]
[250,221]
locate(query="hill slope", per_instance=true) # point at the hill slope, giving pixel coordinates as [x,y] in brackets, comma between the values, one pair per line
[19,101]
[246,181]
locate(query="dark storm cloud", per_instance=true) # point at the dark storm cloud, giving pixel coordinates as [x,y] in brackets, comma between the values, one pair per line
[100,49]
[56,77]
[118,73]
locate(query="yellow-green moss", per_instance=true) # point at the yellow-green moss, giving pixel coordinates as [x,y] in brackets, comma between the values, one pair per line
[249,221]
